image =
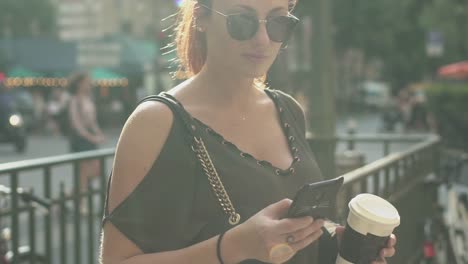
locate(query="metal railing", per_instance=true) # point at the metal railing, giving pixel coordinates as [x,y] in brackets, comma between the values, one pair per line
[65,205]
[74,238]
[398,177]
[386,140]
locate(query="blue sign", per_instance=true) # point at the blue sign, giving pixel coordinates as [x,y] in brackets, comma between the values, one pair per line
[435,44]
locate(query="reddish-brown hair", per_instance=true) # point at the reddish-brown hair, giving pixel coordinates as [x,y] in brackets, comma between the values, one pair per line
[191,43]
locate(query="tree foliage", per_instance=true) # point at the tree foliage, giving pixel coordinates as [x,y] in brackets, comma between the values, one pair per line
[447,102]
[20,18]
[395,33]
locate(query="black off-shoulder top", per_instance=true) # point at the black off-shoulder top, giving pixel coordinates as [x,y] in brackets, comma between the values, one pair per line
[174,207]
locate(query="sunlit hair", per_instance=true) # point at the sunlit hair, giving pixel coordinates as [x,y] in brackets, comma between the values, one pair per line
[190,43]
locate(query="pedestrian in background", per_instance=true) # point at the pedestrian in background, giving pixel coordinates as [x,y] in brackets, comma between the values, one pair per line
[161,207]
[84,132]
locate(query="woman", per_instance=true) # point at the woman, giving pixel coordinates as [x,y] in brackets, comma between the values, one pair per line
[84,132]
[160,207]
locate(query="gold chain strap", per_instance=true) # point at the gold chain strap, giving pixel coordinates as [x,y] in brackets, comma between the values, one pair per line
[215,181]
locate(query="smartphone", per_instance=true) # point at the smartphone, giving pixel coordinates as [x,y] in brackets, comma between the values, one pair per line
[316,199]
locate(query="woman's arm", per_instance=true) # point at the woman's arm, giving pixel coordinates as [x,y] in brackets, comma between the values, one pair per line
[204,252]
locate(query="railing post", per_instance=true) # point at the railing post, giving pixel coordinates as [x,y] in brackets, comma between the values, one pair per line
[351,129]
[413,167]
[405,168]
[63,228]
[47,217]
[103,183]
[32,231]
[386,147]
[14,213]
[376,180]
[363,183]
[397,169]
[77,211]
[91,234]
[387,188]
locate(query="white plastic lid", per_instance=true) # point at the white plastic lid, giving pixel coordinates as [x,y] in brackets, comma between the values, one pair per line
[375,209]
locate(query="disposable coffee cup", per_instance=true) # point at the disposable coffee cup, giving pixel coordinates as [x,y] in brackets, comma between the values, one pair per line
[371,221]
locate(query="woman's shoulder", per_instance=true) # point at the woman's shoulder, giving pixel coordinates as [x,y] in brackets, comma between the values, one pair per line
[145,132]
[288,99]
[140,144]
[150,119]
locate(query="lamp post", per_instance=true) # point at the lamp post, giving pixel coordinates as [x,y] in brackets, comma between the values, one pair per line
[320,94]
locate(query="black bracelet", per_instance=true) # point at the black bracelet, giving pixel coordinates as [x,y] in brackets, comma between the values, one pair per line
[218,247]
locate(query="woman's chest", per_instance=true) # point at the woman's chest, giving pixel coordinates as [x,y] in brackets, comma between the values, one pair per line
[251,183]
[264,140]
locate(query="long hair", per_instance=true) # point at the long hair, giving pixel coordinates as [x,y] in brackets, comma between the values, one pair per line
[190,43]
[75,81]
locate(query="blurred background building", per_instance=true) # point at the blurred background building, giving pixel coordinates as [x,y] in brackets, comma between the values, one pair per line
[79,20]
[118,41]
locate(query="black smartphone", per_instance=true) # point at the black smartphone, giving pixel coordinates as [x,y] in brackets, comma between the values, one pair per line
[316,199]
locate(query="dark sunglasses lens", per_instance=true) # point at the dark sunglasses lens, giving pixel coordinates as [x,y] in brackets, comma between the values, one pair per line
[280,28]
[242,27]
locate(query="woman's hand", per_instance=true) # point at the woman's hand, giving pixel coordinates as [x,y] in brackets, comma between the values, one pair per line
[269,237]
[386,252]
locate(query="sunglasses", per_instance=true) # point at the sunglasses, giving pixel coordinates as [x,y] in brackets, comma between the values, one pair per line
[243,26]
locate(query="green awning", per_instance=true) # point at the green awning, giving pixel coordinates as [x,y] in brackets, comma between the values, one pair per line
[21,72]
[104,74]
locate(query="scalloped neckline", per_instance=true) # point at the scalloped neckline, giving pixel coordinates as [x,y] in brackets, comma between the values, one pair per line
[292,150]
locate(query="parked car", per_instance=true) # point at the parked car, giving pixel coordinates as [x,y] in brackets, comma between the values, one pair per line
[25,106]
[376,95]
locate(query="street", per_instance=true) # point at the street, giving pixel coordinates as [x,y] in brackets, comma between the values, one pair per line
[47,145]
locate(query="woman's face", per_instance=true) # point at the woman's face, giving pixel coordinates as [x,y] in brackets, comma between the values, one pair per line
[247,58]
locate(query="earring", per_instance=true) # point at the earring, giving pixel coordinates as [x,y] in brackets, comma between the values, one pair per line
[200,29]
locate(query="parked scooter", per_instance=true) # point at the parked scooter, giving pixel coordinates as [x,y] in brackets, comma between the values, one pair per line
[446,231]
[24,252]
